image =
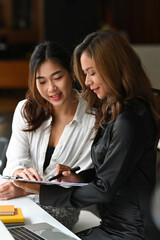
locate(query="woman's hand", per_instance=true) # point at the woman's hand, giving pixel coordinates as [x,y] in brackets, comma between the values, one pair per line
[68,176]
[28,173]
[8,191]
[31,188]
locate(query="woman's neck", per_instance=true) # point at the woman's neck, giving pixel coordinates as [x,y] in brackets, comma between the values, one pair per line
[68,109]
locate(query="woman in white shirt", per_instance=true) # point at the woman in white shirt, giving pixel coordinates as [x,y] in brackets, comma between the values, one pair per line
[49,127]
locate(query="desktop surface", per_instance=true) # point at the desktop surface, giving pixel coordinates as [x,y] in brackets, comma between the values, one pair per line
[33,213]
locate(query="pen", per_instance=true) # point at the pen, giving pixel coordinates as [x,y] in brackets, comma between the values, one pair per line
[61,175]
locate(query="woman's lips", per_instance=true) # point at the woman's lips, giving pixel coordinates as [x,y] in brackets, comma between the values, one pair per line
[95,90]
[56,97]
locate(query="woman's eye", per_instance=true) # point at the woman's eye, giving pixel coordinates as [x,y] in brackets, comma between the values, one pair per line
[41,82]
[57,78]
[92,74]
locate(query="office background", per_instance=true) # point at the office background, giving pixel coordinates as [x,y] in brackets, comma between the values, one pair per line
[23,24]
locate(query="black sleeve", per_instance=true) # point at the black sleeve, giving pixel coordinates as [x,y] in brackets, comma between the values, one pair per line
[87,175]
[124,151]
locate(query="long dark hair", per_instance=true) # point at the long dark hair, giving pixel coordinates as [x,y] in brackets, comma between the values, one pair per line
[121,71]
[36,109]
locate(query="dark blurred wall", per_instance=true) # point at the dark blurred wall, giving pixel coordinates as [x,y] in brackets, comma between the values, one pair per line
[69,21]
[140,19]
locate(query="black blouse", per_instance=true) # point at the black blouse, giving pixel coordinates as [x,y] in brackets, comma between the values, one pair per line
[49,153]
[124,157]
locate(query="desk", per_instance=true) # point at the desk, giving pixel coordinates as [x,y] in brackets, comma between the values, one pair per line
[35,214]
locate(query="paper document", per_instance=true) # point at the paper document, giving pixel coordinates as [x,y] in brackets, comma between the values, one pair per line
[10,178]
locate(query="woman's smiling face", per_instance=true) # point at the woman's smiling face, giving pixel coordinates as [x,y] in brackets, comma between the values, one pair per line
[53,82]
[92,77]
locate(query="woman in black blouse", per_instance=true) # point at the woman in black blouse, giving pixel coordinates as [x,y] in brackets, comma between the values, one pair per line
[124,150]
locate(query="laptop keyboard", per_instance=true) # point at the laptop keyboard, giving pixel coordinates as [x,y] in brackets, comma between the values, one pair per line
[22,233]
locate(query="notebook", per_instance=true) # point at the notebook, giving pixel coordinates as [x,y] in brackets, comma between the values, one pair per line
[6,210]
[34,231]
[17,217]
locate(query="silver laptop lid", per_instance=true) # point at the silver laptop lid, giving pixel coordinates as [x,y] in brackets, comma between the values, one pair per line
[39,231]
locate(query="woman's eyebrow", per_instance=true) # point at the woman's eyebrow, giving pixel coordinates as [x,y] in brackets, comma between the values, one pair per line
[53,74]
[87,69]
[39,77]
[57,72]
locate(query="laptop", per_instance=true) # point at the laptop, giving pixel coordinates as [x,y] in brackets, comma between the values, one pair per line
[33,232]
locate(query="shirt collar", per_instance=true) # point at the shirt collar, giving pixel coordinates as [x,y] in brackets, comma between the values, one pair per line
[79,114]
[80,111]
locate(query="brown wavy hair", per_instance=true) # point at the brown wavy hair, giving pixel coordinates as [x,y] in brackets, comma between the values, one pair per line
[122,72]
[36,109]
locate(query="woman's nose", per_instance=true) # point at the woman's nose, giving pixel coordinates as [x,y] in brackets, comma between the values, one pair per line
[52,86]
[87,81]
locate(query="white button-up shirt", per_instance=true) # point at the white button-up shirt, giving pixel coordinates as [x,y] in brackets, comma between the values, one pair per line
[28,149]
